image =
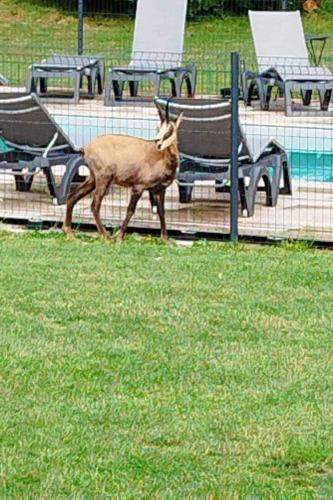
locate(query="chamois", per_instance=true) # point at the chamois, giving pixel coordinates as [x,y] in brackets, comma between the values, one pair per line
[131,162]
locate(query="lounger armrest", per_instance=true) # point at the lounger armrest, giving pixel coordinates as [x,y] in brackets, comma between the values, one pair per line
[61,67]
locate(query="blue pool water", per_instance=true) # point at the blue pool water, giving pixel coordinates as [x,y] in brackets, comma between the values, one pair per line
[312,165]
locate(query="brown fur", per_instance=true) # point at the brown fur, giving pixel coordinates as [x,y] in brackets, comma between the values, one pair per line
[129,162]
[310,5]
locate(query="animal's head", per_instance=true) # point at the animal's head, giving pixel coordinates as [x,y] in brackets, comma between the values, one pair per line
[167,134]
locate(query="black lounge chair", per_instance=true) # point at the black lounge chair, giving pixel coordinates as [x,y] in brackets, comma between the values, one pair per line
[205,151]
[31,141]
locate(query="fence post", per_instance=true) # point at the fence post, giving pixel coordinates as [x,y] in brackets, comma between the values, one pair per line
[234,146]
[284,4]
[80,26]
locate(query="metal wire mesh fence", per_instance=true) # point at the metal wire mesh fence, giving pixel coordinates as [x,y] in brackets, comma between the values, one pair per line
[96,67]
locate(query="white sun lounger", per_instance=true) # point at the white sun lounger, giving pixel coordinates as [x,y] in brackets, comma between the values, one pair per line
[157,51]
[283,60]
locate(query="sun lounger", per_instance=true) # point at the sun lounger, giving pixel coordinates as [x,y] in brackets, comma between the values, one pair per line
[205,152]
[32,142]
[283,62]
[63,66]
[157,51]
[3,80]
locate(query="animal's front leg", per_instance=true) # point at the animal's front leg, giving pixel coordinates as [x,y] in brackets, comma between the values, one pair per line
[160,198]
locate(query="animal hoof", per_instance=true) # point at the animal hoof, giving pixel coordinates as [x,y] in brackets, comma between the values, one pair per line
[70,235]
[106,237]
[119,239]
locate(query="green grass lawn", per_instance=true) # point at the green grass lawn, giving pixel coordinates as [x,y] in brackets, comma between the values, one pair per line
[34,30]
[146,370]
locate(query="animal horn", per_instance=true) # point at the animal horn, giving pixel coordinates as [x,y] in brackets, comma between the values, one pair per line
[167,109]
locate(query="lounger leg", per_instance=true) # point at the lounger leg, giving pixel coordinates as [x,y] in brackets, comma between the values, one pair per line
[91,85]
[62,190]
[51,182]
[248,193]
[243,198]
[193,79]
[272,182]
[118,89]
[250,93]
[43,85]
[77,80]
[99,83]
[133,87]
[176,83]
[31,84]
[174,88]
[245,88]
[157,84]
[23,183]
[325,97]
[265,92]
[288,102]
[93,81]
[190,83]
[286,176]
[306,97]
[108,90]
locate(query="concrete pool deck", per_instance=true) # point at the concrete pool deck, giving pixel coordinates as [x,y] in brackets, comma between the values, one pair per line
[308,213]
[88,119]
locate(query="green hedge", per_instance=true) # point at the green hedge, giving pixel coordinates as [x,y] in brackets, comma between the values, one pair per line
[196,7]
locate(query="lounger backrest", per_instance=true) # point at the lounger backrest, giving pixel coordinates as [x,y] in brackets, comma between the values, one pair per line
[159,33]
[205,131]
[25,122]
[278,39]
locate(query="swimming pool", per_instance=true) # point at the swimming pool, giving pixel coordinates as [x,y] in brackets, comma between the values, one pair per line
[312,165]
[306,163]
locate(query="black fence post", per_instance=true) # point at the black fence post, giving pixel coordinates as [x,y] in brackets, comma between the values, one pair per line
[234,146]
[81,26]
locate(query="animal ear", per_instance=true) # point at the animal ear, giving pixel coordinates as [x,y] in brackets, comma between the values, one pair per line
[179,120]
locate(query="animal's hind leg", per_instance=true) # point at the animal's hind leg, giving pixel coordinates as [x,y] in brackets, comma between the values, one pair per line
[135,197]
[153,201]
[102,186]
[79,192]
